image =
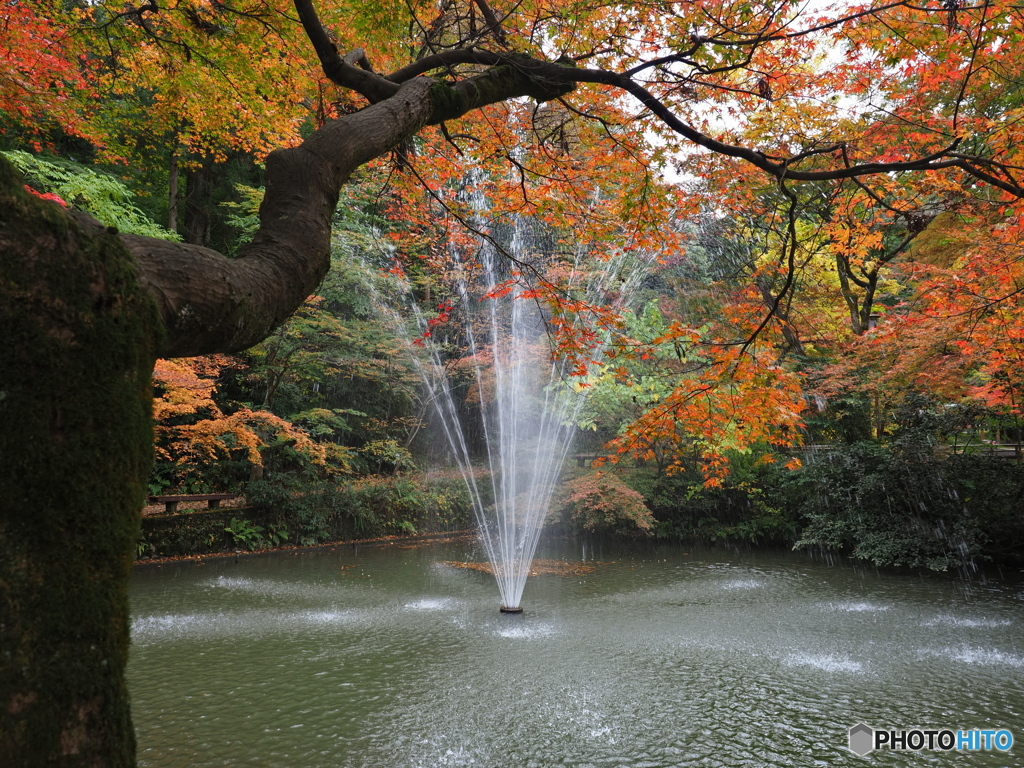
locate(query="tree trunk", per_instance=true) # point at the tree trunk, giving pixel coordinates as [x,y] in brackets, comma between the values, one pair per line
[199,186]
[75,451]
[172,193]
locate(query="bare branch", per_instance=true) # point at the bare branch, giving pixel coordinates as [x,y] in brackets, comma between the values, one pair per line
[970,165]
[792,242]
[493,25]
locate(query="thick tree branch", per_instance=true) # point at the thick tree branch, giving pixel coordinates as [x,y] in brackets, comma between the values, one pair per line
[542,79]
[493,24]
[555,73]
[970,165]
[342,71]
[210,303]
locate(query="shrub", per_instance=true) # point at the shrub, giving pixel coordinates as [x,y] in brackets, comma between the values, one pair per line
[363,508]
[904,503]
[755,504]
[599,502]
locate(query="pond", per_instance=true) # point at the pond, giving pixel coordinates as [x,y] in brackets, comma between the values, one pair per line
[390,656]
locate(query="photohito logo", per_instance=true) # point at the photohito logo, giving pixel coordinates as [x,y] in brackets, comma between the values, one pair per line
[864,739]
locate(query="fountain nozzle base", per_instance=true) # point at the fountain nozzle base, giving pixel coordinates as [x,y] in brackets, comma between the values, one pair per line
[507,609]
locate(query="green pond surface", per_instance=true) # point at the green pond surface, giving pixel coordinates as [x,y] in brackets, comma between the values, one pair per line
[384,656]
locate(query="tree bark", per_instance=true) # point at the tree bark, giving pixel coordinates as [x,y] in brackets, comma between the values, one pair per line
[197,222]
[80,337]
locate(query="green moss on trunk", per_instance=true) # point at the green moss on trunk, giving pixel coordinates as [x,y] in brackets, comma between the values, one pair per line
[75,448]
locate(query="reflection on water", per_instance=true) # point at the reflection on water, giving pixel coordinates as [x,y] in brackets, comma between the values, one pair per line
[383,658]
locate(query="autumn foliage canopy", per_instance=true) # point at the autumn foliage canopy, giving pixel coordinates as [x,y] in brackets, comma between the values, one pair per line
[828,196]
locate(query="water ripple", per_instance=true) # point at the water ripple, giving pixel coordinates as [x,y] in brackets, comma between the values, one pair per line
[983,656]
[826,663]
[859,606]
[647,663]
[432,604]
[207,626]
[532,632]
[743,584]
[960,621]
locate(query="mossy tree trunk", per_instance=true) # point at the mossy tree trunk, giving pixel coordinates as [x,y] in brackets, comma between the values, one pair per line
[80,338]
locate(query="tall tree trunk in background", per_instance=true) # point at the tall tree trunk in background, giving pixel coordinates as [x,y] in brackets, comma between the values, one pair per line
[172,192]
[200,183]
[80,338]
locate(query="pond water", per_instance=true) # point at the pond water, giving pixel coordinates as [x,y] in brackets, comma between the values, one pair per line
[385,657]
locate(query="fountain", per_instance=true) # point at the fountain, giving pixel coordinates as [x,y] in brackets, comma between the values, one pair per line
[528,396]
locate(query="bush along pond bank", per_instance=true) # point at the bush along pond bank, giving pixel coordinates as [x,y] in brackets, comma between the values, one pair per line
[910,500]
[904,502]
[276,515]
[900,503]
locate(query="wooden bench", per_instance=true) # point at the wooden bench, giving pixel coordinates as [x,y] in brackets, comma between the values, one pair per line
[212,500]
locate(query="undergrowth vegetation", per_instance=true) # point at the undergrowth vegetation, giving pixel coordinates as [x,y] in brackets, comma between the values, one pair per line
[315,512]
[929,495]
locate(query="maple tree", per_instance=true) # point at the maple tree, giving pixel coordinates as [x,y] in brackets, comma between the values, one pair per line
[42,74]
[755,90]
[954,334]
[192,430]
[600,502]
